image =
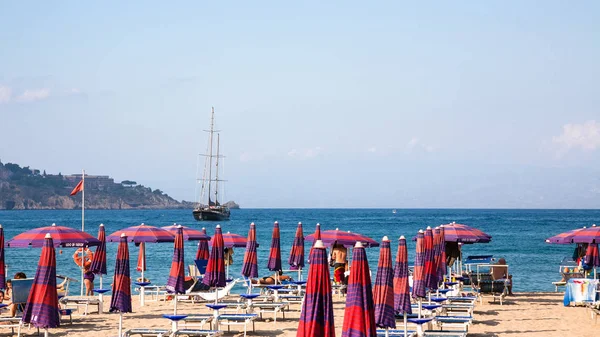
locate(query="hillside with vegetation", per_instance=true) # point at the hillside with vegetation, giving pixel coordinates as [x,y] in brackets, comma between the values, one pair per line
[27,188]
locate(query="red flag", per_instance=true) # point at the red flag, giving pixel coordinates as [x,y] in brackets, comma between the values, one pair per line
[77,188]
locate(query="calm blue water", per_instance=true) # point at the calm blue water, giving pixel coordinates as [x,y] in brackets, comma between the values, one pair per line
[518,235]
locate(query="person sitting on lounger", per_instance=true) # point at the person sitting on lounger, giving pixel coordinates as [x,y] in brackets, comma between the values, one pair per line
[500,273]
[11,306]
[271,279]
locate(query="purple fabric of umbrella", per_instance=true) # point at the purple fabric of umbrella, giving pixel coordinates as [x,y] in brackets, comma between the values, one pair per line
[588,235]
[343,238]
[41,309]
[189,234]
[462,233]
[401,284]
[274,263]
[359,315]
[176,275]
[592,258]
[2,264]
[430,267]
[61,237]
[250,266]
[215,270]
[296,260]
[120,300]
[383,292]
[142,233]
[419,270]
[202,252]
[98,266]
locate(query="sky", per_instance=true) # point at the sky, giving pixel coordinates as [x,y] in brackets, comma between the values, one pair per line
[468,104]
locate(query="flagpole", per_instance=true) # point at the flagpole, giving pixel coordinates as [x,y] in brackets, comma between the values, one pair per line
[82,227]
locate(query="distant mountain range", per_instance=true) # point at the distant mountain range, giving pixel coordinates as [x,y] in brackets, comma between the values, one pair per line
[26,188]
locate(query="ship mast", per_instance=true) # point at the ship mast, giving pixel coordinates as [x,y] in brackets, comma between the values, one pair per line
[217,173]
[210,147]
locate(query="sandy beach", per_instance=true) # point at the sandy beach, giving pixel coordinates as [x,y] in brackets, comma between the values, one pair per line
[525,314]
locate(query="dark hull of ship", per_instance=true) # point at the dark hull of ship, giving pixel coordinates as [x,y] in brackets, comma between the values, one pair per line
[210,215]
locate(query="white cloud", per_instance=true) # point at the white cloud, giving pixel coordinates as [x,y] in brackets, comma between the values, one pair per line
[585,136]
[33,95]
[5,94]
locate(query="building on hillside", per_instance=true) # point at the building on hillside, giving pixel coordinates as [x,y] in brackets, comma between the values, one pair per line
[91,181]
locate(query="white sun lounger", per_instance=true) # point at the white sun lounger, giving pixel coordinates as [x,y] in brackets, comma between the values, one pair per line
[460,322]
[197,333]
[395,333]
[271,307]
[444,334]
[148,332]
[81,302]
[237,319]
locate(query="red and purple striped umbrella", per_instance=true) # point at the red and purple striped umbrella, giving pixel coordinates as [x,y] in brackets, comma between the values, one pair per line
[592,258]
[98,266]
[419,269]
[588,235]
[440,253]
[430,267]
[231,240]
[42,308]
[250,266]
[462,233]
[189,234]
[176,274]
[316,318]
[142,233]
[274,263]
[296,260]
[61,236]
[359,316]
[343,238]
[565,238]
[121,293]
[317,234]
[215,270]
[2,265]
[401,284]
[202,252]
[141,260]
[383,292]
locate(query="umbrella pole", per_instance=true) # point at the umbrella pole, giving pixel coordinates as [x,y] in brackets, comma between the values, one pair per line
[387,332]
[46,332]
[405,325]
[216,295]
[420,307]
[120,324]
[174,322]
[100,298]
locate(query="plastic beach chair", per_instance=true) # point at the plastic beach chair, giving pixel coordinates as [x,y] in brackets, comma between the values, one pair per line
[237,319]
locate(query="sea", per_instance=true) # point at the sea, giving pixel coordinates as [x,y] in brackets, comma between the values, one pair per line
[517,235]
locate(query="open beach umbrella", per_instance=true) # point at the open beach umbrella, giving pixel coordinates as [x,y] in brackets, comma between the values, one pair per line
[215,269]
[176,274]
[189,234]
[98,265]
[329,237]
[588,235]
[359,315]
[296,259]
[592,257]
[383,292]
[121,292]
[462,233]
[565,238]
[401,284]
[250,266]
[274,263]
[2,265]
[316,318]
[440,252]
[61,237]
[231,240]
[202,252]
[430,267]
[41,309]
[418,289]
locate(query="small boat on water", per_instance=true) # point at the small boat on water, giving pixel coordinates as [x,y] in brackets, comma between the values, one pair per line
[394,211]
[212,210]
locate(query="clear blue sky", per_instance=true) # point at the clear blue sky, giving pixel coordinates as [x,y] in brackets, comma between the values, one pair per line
[345,104]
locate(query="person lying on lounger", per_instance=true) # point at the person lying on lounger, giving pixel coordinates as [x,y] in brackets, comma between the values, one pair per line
[271,279]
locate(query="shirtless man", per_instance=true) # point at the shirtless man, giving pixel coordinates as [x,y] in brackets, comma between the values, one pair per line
[339,255]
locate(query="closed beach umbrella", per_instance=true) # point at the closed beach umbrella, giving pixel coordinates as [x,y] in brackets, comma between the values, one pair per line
[141,260]
[343,238]
[316,318]
[98,266]
[215,269]
[296,260]
[41,309]
[274,263]
[383,292]
[317,234]
[592,257]
[401,284]
[121,293]
[231,240]
[462,233]
[359,315]
[176,274]
[2,265]
[440,257]
[61,237]
[202,252]
[430,267]
[189,234]
[250,266]
[419,269]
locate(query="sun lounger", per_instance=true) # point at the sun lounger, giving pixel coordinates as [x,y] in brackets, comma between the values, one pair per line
[466,309]
[443,333]
[12,323]
[212,295]
[271,307]
[148,332]
[197,333]
[395,333]
[237,319]
[197,321]
[81,302]
[65,313]
[461,322]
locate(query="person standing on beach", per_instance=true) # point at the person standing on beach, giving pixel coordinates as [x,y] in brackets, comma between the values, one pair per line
[339,256]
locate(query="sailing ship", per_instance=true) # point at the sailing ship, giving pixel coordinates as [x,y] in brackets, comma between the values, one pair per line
[213,210]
